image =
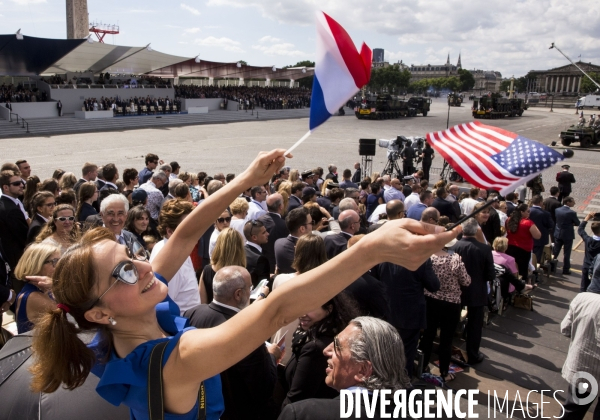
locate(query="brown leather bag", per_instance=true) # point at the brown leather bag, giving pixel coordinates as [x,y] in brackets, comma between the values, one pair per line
[523,301]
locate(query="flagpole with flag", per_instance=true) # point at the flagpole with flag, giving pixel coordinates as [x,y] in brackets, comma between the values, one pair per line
[340,71]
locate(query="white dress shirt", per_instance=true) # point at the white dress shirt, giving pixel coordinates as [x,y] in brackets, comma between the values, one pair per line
[411,200]
[255,210]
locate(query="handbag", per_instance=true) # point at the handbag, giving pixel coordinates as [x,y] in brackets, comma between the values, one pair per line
[5,335]
[523,301]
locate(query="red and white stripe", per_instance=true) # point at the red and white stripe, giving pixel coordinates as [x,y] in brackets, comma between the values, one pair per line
[468,147]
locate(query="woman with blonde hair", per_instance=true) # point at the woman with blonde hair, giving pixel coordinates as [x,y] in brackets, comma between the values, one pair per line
[285,189]
[239,211]
[33,301]
[229,250]
[67,181]
[294,175]
[324,190]
[61,230]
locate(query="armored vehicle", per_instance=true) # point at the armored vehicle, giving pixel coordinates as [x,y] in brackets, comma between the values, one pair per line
[420,104]
[494,106]
[454,99]
[383,107]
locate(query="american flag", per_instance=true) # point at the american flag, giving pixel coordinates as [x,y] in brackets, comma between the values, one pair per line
[491,158]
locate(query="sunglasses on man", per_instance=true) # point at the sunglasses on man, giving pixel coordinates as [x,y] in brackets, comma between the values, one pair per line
[224,219]
[17,183]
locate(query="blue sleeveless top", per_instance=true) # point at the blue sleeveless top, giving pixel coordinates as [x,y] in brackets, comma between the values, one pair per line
[125,380]
[23,323]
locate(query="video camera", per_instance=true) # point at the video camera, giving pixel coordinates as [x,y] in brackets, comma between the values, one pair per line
[396,146]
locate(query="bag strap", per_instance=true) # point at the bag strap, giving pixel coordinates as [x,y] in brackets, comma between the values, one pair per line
[156,407]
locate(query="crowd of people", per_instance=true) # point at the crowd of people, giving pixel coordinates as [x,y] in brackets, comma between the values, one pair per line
[250,97]
[135,104]
[11,93]
[244,257]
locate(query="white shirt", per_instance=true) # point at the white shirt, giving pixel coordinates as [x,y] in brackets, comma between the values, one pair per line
[183,287]
[467,205]
[238,224]
[258,247]
[233,308]
[255,211]
[213,241]
[374,218]
[411,200]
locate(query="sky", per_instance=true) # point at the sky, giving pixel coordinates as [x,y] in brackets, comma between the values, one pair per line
[507,36]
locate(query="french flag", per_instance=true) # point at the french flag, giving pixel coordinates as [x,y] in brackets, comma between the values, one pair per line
[340,70]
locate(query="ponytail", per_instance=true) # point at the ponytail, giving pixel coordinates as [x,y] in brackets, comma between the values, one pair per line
[515,218]
[60,356]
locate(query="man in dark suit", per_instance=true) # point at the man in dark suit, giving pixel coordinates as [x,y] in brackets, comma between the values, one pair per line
[543,221]
[89,172]
[564,179]
[100,178]
[406,296]
[550,205]
[257,263]
[296,197]
[511,203]
[479,263]
[13,222]
[345,371]
[356,177]
[491,228]
[592,248]
[564,234]
[337,243]
[347,183]
[332,173]
[445,207]
[7,295]
[248,385]
[59,106]
[299,223]
[275,225]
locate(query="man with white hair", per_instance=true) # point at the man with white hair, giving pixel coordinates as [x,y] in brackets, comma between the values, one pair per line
[367,355]
[113,211]
[347,203]
[387,182]
[155,195]
[247,385]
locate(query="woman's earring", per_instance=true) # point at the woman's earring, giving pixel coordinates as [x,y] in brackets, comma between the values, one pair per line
[112,321]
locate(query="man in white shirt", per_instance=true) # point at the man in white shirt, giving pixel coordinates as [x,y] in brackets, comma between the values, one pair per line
[155,196]
[394,192]
[467,205]
[258,203]
[183,287]
[413,198]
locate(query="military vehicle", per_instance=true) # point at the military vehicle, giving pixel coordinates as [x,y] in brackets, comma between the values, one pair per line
[495,106]
[383,107]
[586,136]
[454,99]
[420,104]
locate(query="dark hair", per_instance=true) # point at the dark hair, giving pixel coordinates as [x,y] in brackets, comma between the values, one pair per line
[424,195]
[109,171]
[254,191]
[554,190]
[86,191]
[150,157]
[342,309]
[347,173]
[537,199]
[134,214]
[182,191]
[375,187]
[229,177]
[51,185]
[249,228]
[512,224]
[58,174]
[567,199]
[129,175]
[364,184]
[296,218]
[174,166]
[201,177]
[510,196]
[31,188]
[310,253]
[38,200]
[441,192]
[315,213]
[474,193]
[336,193]
[297,186]
[67,197]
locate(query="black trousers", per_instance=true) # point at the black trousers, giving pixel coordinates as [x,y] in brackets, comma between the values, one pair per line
[426,168]
[522,259]
[575,411]
[585,281]
[410,339]
[568,245]
[444,315]
[474,329]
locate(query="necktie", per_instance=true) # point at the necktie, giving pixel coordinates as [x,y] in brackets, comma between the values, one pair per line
[121,240]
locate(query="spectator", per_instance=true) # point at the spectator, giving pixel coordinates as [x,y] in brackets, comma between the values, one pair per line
[32,186]
[24,169]
[257,263]
[374,199]
[564,179]
[113,211]
[299,223]
[467,205]
[296,196]
[357,173]
[309,195]
[221,223]
[347,183]
[452,193]
[511,203]
[445,207]
[175,167]
[482,219]
[43,204]
[479,263]
[151,160]
[275,224]
[427,157]
[257,204]
[89,172]
[183,288]
[130,178]
[248,384]
[502,209]
[521,232]
[592,248]
[88,194]
[543,221]
[138,223]
[415,211]
[335,244]
[566,219]
[509,266]
[229,250]
[155,195]
[239,211]
[33,301]
[51,185]
[414,197]
[61,230]
[67,181]
[552,203]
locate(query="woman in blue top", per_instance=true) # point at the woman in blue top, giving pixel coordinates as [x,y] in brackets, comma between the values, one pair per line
[105,288]
[35,300]
[374,199]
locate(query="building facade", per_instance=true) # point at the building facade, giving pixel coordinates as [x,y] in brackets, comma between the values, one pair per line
[487,80]
[566,79]
[429,71]
[78,23]
[378,55]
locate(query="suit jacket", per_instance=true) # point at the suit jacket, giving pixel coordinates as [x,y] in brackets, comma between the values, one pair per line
[543,221]
[13,231]
[510,207]
[446,209]
[565,220]
[336,244]
[332,176]
[34,228]
[275,225]
[592,246]
[294,203]
[371,295]
[356,176]
[348,184]
[479,263]
[100,184]
[78,185]
[491,228]
[406,295]
[257,265]
[550,205]
[248,385]
[5,282]
[565,179]
[284,254]
[325,202]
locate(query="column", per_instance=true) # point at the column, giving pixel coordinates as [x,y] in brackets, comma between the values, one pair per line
[176,81]
[267,82]
[241,81]
[211,81]
[546,85]
[579,84]
[292,83]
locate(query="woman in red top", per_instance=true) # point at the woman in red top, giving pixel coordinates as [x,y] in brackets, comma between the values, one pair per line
[521,232]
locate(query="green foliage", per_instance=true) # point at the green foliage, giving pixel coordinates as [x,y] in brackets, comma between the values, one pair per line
[421,86]
[467,81]
[389,79]
[304,81]
[586,84]
[243,63]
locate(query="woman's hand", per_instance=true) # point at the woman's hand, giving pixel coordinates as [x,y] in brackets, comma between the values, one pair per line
[406,242]
[43,283]
[263,168]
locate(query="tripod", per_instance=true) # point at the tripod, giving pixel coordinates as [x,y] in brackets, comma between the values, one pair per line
[367,166]
[390,167]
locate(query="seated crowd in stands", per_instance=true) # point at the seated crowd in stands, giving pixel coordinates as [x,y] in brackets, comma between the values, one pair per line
[104,104]
[10,93]
[277,231]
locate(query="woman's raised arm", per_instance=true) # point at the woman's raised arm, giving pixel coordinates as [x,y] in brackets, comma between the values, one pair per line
[180,245]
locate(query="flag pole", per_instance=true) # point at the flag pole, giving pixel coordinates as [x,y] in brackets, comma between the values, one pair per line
[298,143]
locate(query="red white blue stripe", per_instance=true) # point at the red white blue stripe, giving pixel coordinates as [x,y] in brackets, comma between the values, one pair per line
[340,70]
[490,157]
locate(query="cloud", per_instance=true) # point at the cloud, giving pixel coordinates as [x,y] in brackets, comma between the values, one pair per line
[27,2]
[142,11]
[191,31]
[284,49]
[190,9]
[269,38]
[225,43]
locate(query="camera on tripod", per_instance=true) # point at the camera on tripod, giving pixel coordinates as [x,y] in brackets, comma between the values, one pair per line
[396,146]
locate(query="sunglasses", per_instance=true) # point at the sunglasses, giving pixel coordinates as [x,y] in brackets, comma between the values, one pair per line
[125,271]
[53,261]
[17,183]
[50,204]
[224,219]
[64,219]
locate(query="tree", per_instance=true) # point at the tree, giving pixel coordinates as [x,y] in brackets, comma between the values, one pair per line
[467,81]
[389,79]
[586,84]
[304,81]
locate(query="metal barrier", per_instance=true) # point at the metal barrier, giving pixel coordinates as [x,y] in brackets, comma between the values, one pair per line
[24,124]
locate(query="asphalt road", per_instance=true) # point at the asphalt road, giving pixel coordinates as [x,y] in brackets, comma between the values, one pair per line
[230,147]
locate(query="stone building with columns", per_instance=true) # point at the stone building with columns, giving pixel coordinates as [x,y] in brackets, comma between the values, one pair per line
[434,71]
[566,79]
